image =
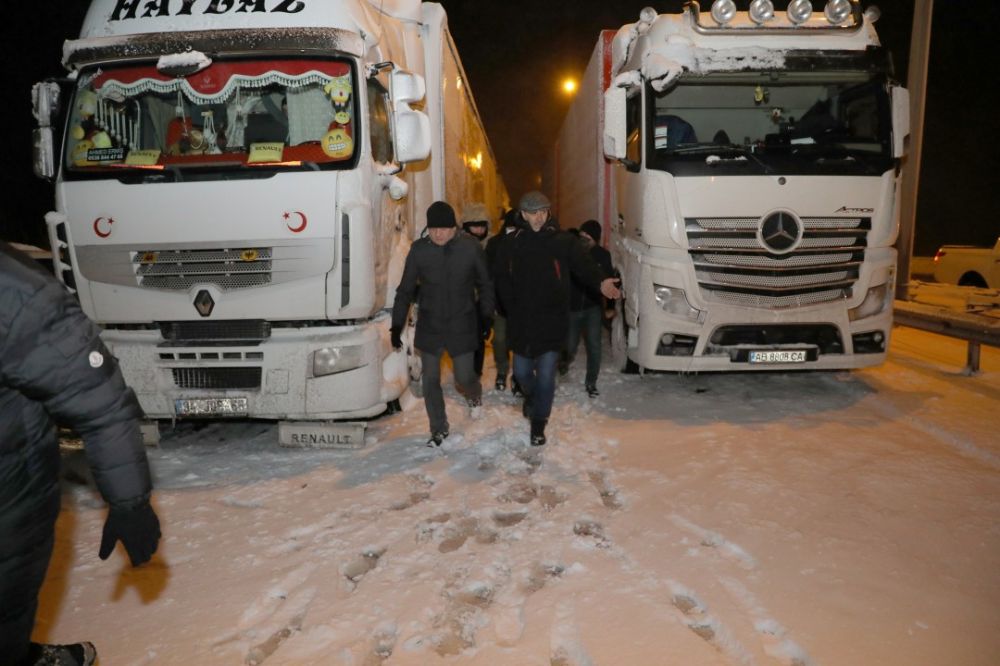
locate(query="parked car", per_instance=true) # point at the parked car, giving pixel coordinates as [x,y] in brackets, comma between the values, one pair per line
[968,266]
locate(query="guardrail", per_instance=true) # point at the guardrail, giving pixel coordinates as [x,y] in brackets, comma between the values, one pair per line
[977,329]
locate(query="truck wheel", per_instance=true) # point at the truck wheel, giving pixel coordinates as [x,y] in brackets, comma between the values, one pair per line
[972,280]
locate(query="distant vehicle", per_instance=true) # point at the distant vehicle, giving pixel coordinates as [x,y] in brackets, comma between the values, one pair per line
[968,266]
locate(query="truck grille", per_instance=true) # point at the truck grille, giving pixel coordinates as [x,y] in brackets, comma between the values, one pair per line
[733,266]
[251,330]
[179,270]
[217,378]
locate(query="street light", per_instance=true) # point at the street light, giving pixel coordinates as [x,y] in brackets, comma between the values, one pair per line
[569,86]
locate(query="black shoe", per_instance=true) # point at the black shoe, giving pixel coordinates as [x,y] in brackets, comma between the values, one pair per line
[475,407]
[538,432]
[436,439]
[515,389]
[592,390]
[501,383]
[75,654]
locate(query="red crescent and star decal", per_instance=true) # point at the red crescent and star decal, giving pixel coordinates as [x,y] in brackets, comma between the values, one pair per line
[102,226]
[303,221]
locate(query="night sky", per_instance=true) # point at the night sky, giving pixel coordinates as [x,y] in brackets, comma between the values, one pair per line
[516,53]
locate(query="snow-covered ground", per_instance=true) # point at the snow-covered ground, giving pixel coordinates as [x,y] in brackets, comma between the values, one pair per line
[846,518]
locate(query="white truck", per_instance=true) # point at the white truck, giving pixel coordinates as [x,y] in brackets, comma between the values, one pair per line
[231,203]
[745,166]
[968,266]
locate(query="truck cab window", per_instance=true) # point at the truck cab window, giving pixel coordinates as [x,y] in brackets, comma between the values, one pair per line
[295,113]
[379,122]
[633,128]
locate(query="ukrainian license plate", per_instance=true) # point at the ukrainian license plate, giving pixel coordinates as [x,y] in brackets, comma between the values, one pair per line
[778,356]
[211,407]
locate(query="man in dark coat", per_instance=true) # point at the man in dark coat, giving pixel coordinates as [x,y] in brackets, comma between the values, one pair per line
[501,351]
[533,282]
[54,368]
[587,308]
[475,222]
[450,270]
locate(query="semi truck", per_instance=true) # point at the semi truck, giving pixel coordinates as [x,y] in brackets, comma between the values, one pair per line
[745,166]
[237,184]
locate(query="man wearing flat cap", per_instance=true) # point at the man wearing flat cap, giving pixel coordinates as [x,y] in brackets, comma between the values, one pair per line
[533,274]
[450,270]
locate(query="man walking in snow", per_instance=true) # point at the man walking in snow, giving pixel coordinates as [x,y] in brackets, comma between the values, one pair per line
[54,368]
[450,270]
[587,311]
[533,282]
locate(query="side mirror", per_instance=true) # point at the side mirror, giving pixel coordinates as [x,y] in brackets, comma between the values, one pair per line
[615,134]
[43,153]
[46,98]
[900,119]
[411,128]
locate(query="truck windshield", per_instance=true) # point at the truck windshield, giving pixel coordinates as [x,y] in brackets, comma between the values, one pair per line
[785,122]
[295,113]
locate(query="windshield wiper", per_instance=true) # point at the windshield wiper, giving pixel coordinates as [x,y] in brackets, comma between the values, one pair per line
[710,148]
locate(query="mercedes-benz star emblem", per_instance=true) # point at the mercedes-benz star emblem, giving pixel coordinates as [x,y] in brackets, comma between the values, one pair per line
[779,232]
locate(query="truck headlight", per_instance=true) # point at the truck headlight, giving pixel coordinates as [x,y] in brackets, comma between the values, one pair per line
[673,301]
[331,360]
[873,304]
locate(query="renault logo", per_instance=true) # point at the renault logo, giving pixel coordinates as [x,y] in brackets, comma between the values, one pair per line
[204,303]
[779,232]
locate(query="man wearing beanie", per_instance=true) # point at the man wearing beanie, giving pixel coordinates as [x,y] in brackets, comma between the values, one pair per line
[587,311]
[533,283]
[450,269]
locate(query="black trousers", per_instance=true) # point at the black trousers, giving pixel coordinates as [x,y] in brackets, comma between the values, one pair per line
[29,506]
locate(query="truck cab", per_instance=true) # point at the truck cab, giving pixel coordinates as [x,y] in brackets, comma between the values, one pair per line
[754,197]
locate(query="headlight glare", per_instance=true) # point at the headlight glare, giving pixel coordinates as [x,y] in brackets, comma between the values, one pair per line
[799,11]
[761,11]
[723,11]
[873,304]
[837,11]
[674,301]
[331,360]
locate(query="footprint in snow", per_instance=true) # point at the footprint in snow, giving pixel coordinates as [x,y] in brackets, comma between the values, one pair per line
[610,496]
[521,492]
[412,500]
[587,527]
[356,569]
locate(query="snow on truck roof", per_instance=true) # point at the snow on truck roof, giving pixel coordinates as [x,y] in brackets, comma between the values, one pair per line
[663,45]
[118,23]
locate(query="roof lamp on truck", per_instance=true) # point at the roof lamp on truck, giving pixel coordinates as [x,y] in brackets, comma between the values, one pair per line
[237,186]
[745,165]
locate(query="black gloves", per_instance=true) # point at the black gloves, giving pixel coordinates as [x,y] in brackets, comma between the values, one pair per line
[138,528]
[394,333]
[486,325]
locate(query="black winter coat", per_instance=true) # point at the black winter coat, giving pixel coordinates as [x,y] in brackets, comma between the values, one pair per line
[533,272]
[453,281]
[54,368]
[584,298]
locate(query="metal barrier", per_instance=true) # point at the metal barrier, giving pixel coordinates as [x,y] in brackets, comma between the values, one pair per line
[977,329]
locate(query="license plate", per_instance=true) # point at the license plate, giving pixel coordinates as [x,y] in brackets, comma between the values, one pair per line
[778,356]
[211,407]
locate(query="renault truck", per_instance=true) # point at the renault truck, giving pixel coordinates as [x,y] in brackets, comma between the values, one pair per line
[745,166]
[237,184]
